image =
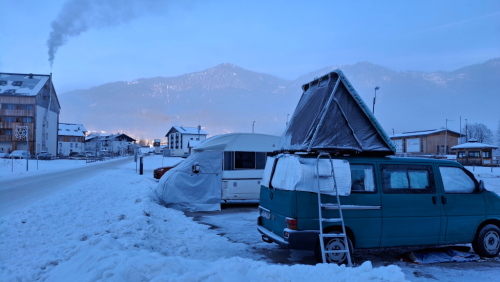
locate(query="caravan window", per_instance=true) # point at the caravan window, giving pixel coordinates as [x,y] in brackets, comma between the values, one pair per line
[244,160]
[260,160]
[228,160]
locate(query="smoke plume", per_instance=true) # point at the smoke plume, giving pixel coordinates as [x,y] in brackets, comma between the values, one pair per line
[78,16]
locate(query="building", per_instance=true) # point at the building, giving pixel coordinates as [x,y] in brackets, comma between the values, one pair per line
[115,144]
[179,137]
[71,138]
[28,101]
[427,142]
[474,153]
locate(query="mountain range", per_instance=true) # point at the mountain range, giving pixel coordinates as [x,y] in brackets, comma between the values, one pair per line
[228,98]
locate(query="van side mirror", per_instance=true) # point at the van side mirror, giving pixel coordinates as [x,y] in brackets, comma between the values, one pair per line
[481,185]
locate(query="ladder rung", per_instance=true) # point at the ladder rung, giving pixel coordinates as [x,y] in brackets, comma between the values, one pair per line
[330,206]
[331,219]
[333,235]
[327,193]
[336,251]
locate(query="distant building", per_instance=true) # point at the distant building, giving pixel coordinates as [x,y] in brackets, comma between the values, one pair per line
[28,100]
[71,138]
[116,144]
[179,137]
[474,153]
[427,142]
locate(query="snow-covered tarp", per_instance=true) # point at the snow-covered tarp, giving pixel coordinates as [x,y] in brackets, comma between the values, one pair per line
[331,116]
[299,174]
[193,189]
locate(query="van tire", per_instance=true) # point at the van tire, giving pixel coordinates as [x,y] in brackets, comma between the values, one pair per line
[332,242]
[487,241]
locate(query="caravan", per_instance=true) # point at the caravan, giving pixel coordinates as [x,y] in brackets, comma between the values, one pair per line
[221,168]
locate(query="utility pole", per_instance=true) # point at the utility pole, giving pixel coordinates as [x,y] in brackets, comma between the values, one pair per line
[466,132]
[446,138]
[253,126]
[287,119]
[460,129]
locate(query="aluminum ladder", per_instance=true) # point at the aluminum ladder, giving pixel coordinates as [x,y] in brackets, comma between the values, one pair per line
[330,206]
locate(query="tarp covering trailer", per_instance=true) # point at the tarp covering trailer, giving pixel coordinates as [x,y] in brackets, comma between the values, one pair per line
[224,167]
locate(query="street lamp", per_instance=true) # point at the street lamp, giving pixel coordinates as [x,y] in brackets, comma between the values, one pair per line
[374,98]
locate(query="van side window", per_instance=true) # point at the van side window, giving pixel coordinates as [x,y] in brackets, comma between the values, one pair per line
[362,178]
[244,160]
[455,180]
[402,179]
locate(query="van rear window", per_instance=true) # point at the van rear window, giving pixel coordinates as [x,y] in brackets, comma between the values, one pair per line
[417,179]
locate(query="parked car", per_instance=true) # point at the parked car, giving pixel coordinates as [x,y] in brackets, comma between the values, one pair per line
[44,156]
[4,155]
[392,202]
[20,154]
[77,156]
[159,172]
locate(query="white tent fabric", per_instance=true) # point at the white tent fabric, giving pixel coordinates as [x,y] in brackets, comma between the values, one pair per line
[297,173]
[181,188]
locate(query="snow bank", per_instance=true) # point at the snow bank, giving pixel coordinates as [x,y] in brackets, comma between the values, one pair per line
[107,228]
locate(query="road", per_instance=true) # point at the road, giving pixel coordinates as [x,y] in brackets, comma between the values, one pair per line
[21,192]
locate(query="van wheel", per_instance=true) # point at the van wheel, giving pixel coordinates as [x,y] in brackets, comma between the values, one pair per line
[487,241]
[332,244]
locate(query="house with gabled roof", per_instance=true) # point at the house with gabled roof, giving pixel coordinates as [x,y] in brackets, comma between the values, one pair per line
[28,101]
[425,142]
[71,138]
[180,136]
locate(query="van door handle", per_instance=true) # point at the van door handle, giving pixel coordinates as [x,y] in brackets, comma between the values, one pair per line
[443,200]
[434,200]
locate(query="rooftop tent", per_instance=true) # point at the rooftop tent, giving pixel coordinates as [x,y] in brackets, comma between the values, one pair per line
[332,117]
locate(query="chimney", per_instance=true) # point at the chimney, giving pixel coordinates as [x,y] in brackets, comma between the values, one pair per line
[31,76]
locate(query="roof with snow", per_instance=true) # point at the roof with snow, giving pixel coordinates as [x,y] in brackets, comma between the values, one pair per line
[18,84]
[472,144]
[71,129]
[246,142]
[422,133]
[186,130]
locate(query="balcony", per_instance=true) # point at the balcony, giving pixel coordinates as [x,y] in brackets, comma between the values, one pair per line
[17,113]
[4,138]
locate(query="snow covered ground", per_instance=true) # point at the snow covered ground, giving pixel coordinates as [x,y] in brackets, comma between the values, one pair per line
[108,228]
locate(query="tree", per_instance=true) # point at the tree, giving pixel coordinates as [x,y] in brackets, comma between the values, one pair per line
[142,142]
[498,134]
[480,132]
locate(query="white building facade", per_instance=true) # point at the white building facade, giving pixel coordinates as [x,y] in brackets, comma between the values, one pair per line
[71,138]
[179,137]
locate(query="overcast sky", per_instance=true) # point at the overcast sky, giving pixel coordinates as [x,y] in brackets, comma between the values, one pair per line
[127,39]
